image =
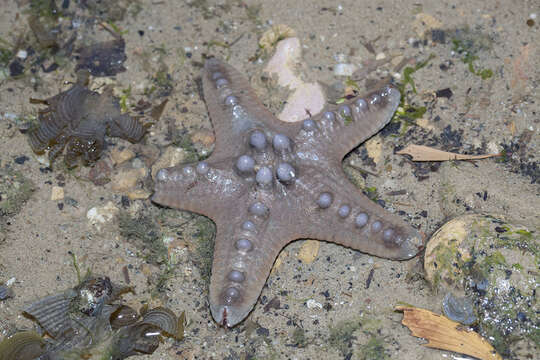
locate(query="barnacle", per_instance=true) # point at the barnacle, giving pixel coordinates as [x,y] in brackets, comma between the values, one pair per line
[78,120]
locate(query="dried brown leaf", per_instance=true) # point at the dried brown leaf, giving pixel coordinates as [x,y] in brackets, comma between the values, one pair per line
[158,110]
[443,333]
[426,153]
[181,326]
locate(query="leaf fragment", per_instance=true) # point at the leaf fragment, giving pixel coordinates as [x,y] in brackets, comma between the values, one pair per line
[309,251]
[445,334]
[426,153]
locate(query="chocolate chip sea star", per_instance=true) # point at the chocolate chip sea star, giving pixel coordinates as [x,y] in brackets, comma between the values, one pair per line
[268,183]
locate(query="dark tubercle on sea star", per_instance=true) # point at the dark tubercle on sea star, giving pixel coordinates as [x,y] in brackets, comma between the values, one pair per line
[268,183]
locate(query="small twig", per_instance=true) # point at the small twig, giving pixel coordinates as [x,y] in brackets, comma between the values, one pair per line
[362,170]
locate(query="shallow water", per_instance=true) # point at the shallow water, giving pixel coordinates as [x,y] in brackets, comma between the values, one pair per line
[482,115]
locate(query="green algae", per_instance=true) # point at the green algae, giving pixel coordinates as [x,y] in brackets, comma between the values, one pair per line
[206,232]
[374,349]
[142,230]
[126,93]
[468,48]
[406,113]
[299,337]
[447,263]
[409,71]
[342,335]
[15,190]
[372,193]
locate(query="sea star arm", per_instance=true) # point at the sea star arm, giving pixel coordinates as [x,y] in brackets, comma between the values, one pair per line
[233,107]
[244,253]
[335,211]
[340,128]
[206,188]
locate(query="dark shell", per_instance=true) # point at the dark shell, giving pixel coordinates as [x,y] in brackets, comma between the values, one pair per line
[459,309]
[163,319]
[103,59]
[136,339]
[78,120]
[123,316]
[144,336]
[26,345]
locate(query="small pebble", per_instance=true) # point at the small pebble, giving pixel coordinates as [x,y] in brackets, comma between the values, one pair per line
[121,156]
[312,304]
[57,193]
[21,159]
[263,331]
[342,69]
[22,54]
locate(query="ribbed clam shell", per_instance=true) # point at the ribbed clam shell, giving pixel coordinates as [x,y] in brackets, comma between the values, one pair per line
[85,331]
[43,137]
[68,106]
[127,128]
[5,292]
[51,313]
[26,345]
[79,119]
[165,320]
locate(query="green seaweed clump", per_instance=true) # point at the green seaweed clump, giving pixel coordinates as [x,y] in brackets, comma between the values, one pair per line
[15,190]
[299,337]
[142,230]
[407,112]
[468,57]
[373,350]
[342,335]
[206,232]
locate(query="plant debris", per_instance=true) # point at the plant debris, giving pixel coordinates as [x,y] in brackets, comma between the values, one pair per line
[142,230]
[426,153]
[105,58]
[15,190]
[445,334]
[309,251]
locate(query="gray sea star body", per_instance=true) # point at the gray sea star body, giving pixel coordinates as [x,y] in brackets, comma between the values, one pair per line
[268,183]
